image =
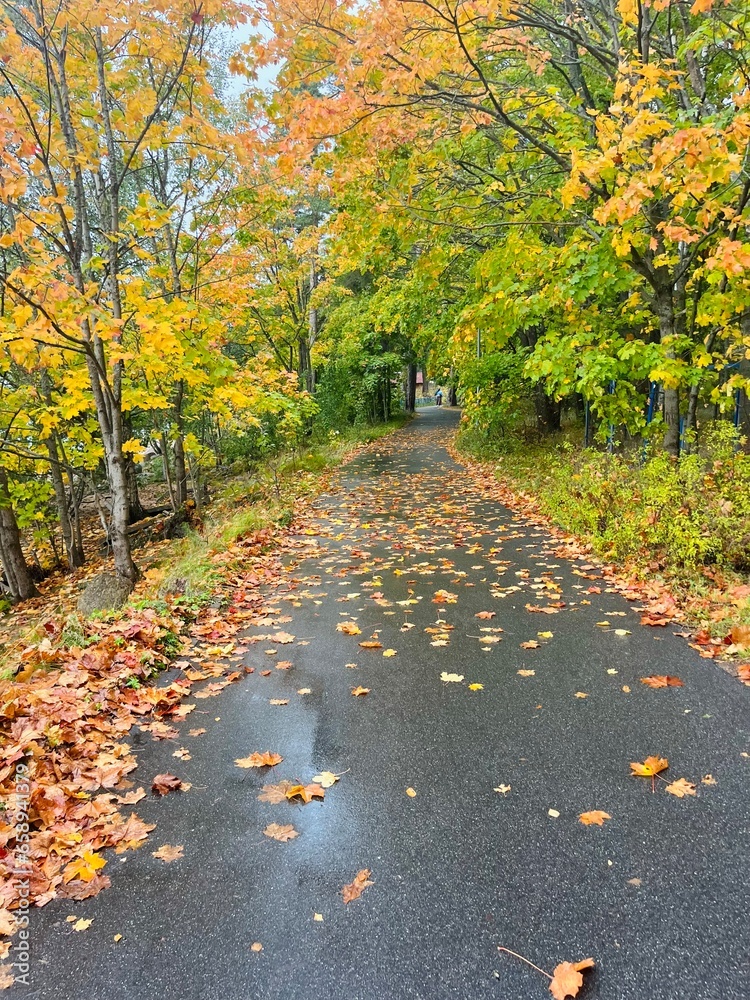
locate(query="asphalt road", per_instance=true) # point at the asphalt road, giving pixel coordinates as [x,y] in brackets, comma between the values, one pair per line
[459,868]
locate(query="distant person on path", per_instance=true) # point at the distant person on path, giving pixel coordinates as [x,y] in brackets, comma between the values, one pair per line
[439,397]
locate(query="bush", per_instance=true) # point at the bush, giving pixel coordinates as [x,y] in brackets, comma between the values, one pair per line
[685,514]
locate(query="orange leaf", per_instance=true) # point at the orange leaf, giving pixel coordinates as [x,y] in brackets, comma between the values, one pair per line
[567,979]
[371,644]
[267,759]
[593,818]
[651,766]
[357,691]
[661,681]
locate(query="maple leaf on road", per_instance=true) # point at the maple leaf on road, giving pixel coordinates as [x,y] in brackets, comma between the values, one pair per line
[681,787]
[164,783]
[595,817]
[169,852]
[349,628]
[85,867]
[355,888]
[661,681]
[567,979]
[650,766]
[281,833]
[267,759]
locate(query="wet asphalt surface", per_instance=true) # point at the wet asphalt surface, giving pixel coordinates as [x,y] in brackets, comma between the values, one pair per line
[460,868]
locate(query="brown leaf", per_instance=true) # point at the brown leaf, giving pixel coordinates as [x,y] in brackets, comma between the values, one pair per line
[594,817]
[7,976]
[681,787]
[357,691]
[740,635]
[267,759]
[164,783]
[485,614]
[169,852]
[567,979]
[273,793]
[282,833]
[661,681]
[355,889]
[371,644]
[531,644]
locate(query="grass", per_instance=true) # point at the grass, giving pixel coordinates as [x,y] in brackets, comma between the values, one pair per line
[262,498]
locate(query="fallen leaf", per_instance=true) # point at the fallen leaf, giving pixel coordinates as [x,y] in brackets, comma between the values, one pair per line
[708,779]
[371,644]
[164,783]
[355,888]
[451,678]
[304,691]
[594,818]
[651,766]
[635,881]
[553,813]
[357,691]
[267,759]
[349,628]
[326,779]
[82,925]
[256,946]
[278,701]
[389,652]
[622,631]
[196,732]
[284,665]
[531,644]
[545,635]
[169,853]
[282,833]
[84,867]
[681,787]
[476,687]
[117,937]
[567,979]
[502,789]
[661,681]
[305,792]
[411,793]
[581,694]
[318,917]
[486,615]
[526,673]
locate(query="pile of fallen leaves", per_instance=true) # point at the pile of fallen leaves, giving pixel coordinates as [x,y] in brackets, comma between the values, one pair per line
[68,720]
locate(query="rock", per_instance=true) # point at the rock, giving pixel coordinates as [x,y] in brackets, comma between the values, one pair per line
[104,592]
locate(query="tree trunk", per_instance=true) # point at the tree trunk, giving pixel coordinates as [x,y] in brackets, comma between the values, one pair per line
[17,575]
[548,411]
[411,388]
[180,470]
[664,306]
[73,550]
